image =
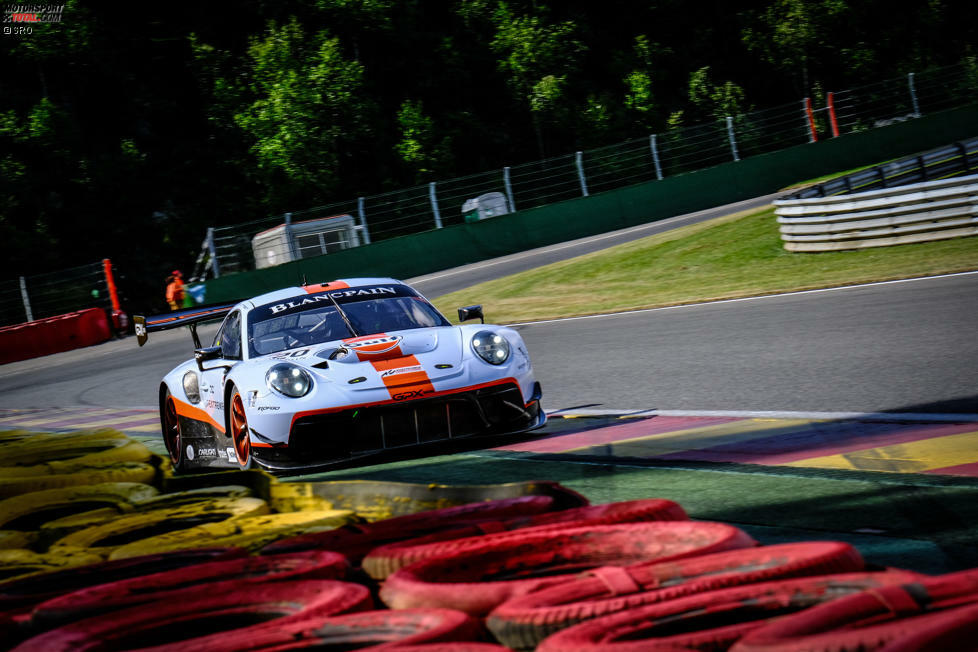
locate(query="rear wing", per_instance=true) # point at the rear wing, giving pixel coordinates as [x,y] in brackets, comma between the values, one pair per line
[189,317]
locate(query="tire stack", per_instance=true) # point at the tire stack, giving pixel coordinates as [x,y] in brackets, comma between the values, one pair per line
[101,548]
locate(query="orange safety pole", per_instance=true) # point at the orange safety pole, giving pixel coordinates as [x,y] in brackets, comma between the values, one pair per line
[110,282]
[811,120]
[832,120]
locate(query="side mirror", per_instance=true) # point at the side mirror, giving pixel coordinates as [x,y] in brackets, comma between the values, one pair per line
[471,312]
[205,354]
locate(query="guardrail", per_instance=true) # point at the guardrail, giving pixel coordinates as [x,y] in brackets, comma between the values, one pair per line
[951,160]
[933,210]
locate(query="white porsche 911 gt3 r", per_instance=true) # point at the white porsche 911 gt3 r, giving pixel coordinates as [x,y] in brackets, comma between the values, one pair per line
[325,375]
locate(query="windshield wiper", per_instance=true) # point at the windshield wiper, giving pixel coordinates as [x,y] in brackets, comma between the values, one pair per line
[346,320]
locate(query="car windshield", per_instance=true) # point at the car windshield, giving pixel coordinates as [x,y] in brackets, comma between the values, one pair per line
[314,319]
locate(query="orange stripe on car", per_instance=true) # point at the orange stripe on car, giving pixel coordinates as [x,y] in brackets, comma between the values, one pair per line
[404,375]
[322,287]
[195,413]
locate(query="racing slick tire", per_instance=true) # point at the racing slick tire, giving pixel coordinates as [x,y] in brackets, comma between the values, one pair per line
[526,620]
[356,540]
[105,538]
[478,579]
[869,619]
[206,613]
[250,533]
[31,511]
[714,619]
[172,431]
[385,560]
[237,428]
[129,592]
[22,594]
[363,630]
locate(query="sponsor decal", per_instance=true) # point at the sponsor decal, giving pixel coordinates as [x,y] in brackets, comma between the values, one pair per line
[266,408]
[231,455]
[211,404]
[404,396]
[190,452]
[373,345]
[222,453]
[402,370]
[207,452]
[140,327]
[329,296]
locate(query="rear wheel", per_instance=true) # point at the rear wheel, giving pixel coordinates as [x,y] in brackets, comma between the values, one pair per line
[239,431]
[172,435]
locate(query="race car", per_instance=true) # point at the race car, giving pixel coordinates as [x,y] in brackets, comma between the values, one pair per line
[326,375]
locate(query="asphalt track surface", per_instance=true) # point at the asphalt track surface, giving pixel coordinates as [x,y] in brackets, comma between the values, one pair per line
[901,347]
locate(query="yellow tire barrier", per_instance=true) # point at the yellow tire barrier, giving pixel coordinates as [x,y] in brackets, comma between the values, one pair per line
[24,461]
[16,539]
[30,511]
[103,539]
[175,499]
[250,533]
[57,529]
[81,475]
[29,438]
[17,563]
[378,500]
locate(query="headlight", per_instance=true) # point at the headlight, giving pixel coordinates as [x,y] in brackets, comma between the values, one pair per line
[191,387]
[289,380]
[491,347]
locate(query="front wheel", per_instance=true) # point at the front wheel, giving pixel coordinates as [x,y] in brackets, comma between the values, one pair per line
[238,428]
[172,434]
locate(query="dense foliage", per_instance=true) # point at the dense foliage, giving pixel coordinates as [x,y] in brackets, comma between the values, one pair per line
[129,128]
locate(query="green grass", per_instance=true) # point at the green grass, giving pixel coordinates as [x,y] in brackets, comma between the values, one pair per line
[734,256]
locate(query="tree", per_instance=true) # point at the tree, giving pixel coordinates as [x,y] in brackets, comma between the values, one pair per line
[537,59]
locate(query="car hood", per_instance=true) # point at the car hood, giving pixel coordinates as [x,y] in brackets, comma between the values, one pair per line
[377,360]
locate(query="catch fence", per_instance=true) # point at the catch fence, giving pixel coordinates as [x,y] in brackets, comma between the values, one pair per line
[230,249]
[39,296]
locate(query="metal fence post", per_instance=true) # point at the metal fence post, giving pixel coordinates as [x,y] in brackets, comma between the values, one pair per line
[26,299]
[434,204]
[210,246]
[655,157]
[288,237]
[363,220]
[733,141]
[810,119]
[913,95]
[509,189]
[580,173]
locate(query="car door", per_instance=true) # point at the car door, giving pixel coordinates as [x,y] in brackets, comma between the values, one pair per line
[228,337]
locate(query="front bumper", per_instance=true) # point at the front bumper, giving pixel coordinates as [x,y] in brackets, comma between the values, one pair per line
[340,437]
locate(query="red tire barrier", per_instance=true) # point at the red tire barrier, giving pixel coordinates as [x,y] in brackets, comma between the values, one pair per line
[20,595]
[81,604]
[713,620]
[456,646]
[355,541]
[365,630]
[525,621]
[384,560]
[867,620]
[954,630]
[477,579]
[203,615]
